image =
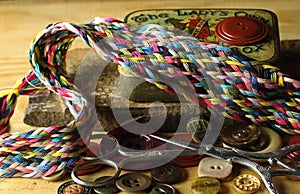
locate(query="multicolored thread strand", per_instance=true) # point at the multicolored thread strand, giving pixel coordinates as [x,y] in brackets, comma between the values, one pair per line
[260,93]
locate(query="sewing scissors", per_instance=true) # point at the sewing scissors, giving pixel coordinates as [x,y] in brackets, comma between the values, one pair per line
[233,155]
[244,158]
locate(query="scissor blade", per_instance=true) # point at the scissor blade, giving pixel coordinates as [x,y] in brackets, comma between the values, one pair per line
[180,143]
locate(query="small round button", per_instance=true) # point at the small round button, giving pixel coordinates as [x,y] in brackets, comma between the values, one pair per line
[214,167]
[241,30]
[107,189]
[246,183]
[71,187]
[241,137]
[168,173]
[269,141]
[133,182]
[273,139]
[184,160]
[162,189]
[56,176]
[203,185]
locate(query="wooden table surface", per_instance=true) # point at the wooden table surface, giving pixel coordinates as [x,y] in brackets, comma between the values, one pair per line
[20,21]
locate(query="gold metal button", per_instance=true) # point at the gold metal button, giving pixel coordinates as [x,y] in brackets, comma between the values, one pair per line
[56,176]
[246,183]
[205,185]
[214,167]
[269,141]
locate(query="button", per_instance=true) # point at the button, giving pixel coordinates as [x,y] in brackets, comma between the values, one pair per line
[241,30]
[162,189]
[184,160]
[291,140]
[56,176]
[132,142]
[203,185]
[168,173]
[241,137]
[274,140]
[71,187]
[107,189]
[214,167]
[196,124]
[197,127]
[246,183]
[90,169]
[269,141]
[133,182]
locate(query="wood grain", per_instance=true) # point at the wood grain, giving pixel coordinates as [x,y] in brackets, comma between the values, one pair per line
[20,21]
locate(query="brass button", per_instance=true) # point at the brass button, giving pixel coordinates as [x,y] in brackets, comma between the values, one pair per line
[241,137]
[162,189]
[246,183]
[56,176]
[168,173]
[273,139]
[133,182]
[205,185]
[197,127]
[107,189]
[71,187]
[214,167]
[269,141]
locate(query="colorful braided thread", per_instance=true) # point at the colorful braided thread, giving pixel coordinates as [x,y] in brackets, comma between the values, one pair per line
[260,92]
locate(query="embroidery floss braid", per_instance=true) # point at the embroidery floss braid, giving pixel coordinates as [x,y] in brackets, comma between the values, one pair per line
[243,89]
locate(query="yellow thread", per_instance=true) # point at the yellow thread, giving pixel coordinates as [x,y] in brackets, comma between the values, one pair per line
[185,60]
[239,102]
[124,71]
[280,81]
[265,103]
[137,58]
[159,58]
[265,66]
[207,60]
[57,154]
[235,63]
[161,86]
[291,103]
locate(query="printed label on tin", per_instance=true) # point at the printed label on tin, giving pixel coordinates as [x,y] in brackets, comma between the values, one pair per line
[201,23]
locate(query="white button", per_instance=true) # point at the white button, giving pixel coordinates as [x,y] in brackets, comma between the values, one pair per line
[214,167]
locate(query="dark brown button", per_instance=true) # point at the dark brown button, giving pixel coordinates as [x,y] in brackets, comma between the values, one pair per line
[133,182]
[107,189]
[168,173]
[71,187]
[241,137]
[241,30]
[162,189]
[132,142]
